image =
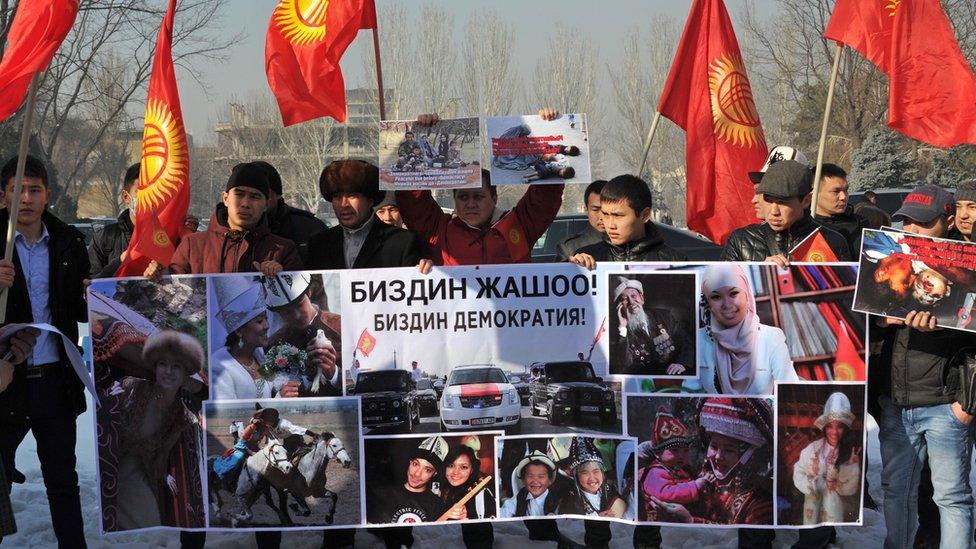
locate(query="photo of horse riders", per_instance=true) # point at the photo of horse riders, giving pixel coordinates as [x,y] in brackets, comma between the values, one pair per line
[283,464]
[413,480]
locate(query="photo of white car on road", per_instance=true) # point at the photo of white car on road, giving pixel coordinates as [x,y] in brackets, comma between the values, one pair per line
[479,395]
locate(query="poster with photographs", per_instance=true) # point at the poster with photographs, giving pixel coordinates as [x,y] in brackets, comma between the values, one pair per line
[530,150]
[417,479]
[275,337]
[652,328]
[446,155]
[566,475]
[150,364]
[703,460]
[281,464]
[794,323]
[903,272]
[820,459]
[461,348]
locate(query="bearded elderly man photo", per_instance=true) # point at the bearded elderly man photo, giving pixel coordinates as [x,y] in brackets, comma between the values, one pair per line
[644,340]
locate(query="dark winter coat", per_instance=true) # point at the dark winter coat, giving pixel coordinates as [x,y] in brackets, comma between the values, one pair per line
[107,245]
[651,248]
[385,246]
[69,267]
[759,241]
[296,225]
[849,225]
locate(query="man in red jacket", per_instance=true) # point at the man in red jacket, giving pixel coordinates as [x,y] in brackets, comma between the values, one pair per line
[478,233]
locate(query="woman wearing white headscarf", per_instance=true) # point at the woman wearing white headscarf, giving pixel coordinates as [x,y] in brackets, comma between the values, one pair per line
[235,366]
[736,353]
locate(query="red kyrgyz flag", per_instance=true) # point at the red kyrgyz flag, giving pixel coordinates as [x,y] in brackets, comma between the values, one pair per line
[306,39]
[932,88]
[813,249]
[366,343]
[164,172]
[708,94]
[38,28]
[848,365]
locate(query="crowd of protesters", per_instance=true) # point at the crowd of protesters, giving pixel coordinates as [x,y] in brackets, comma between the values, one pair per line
[252,229]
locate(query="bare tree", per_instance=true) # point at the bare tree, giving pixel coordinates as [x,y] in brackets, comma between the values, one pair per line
[435,63]
[637,80]
[490,84]
[70,92]
[398,60]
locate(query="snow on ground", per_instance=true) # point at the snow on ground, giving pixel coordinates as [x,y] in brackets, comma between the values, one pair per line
[34,520]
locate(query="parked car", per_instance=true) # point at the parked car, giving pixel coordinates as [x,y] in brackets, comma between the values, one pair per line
[389,399]
[479,395]
[692,244]
[521,383]
[426,397]
[889,200]
[569,392]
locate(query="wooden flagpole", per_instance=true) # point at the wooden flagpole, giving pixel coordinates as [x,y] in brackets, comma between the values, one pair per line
[379,71]
[823,129]
[648,141]
[18,182]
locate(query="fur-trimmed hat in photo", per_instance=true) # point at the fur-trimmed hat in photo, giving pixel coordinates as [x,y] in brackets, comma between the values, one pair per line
[247,174]
[173,344]
[745,419]
[583,450]
[837,408]
[351,176]
[433,449]
[668,431]
[267,415]
[537,458]
[282,290]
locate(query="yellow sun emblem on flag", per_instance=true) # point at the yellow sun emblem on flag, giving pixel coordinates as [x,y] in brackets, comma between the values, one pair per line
[163,168]
[161,239]
[816,256]
[733,109]
[892,6]
[844,372]
[302,21]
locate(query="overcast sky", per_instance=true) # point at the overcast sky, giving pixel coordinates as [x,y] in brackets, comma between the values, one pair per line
[243,77]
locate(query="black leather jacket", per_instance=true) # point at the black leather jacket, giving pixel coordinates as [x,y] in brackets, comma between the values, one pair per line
[759,241]
[651,248]
[294,224]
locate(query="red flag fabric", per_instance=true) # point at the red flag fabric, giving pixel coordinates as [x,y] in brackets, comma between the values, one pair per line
[848,365]
[813,249]
[163,197]
[708,94]
[932,88]
[366,343]
[305,41]
[369,15]
[37,31]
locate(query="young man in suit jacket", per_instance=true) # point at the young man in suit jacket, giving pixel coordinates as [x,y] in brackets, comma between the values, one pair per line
[360,240]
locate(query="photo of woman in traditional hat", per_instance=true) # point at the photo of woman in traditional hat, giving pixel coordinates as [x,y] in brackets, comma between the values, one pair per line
[820,452]
[155,480]
[592,493]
